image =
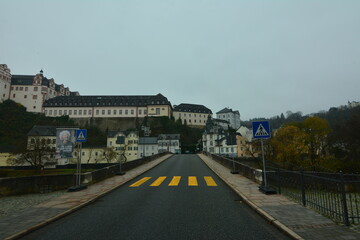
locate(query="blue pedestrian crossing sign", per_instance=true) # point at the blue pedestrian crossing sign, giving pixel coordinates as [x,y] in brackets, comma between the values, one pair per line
[81,135]
[261,129]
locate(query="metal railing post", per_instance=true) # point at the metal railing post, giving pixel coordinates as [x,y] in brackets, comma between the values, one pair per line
[303,197]
[344,202]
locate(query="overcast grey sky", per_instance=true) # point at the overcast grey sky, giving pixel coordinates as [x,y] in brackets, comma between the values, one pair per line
[262,58]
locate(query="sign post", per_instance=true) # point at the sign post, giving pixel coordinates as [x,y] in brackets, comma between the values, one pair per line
[80,137]
[261,130]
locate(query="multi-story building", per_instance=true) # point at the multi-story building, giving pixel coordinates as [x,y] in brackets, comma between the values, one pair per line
[32,91]
[5,82]
[108,106]
[233,117]
[126,144]
[148,146]
[169,143]
[216,141]
[192,114]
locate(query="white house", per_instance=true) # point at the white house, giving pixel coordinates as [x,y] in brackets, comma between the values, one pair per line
[148,146]
[192,114]
[5,82]
[233,117]
[169,143]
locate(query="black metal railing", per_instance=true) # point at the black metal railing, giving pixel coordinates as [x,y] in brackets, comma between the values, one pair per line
[335,195]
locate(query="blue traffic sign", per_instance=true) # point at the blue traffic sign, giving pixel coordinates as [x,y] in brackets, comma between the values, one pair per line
[261,129]
[81,135]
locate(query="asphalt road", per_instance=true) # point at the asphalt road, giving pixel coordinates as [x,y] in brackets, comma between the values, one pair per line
[208,210]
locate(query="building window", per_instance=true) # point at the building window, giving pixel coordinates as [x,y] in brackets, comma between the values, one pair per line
[17,88]
[126,112]
[25,96]
[145,111]
[21,88]
[70,112]
[50,112]
[140,111]
[34,96]
[14,95]
[89,112]
[55,112]
[157,111]
[80,112]
[132,112]
[60,112]
[120,112]
[35,89]
[65,112]
[103,112]
[75,112]
[109,112]
[97,112]
[114,112]
[85,111]
[45,112]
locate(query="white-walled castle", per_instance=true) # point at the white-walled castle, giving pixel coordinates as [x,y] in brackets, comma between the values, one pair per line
[31,91]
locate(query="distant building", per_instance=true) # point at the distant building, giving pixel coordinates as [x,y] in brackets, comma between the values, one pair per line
[125,143]
[5,82]
[33,90]
[108,106]
[148,146]
[169,143]
[353,104]
[233,117]
[192,114]
[216,141]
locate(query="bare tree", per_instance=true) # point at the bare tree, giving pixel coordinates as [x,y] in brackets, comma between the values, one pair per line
[39,153]
[110,154]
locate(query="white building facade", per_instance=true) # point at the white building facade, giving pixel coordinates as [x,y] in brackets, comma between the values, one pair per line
[169,143]
[148,146]
[108,106]
[5,82]
[192,114]
[233,117]
[33,90]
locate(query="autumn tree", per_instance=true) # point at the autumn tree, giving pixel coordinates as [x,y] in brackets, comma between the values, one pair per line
[289,145]
[316,130]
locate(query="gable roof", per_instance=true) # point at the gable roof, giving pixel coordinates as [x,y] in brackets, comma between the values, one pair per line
[42,131]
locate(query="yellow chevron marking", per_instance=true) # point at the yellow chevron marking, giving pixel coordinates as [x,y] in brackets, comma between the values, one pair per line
[175,181]
[193,181]
[141,181]
[158,181]
[210,181]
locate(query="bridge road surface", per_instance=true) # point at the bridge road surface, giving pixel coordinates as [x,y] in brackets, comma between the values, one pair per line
[148,208]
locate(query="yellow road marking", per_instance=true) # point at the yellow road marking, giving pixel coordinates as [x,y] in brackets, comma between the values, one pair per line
[141,181]
[210,181]
[193,181]
[175,181]
[158,181]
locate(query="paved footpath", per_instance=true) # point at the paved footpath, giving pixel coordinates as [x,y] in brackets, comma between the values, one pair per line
[297,221]
[18,224]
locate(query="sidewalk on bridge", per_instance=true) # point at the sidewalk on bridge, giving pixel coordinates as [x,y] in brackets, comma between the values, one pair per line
[297,221]
[19,224]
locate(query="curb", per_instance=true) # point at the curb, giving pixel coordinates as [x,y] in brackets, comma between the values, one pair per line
[71,210]
[261,212]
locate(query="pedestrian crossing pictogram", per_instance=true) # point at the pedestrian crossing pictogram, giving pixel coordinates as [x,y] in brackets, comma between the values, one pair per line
[191,181]
[261,129]
[261,132]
